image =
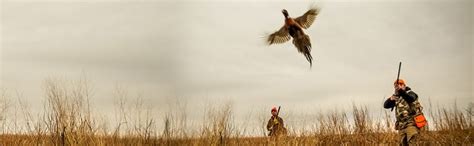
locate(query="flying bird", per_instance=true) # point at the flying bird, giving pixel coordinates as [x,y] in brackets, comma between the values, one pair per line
[293,28]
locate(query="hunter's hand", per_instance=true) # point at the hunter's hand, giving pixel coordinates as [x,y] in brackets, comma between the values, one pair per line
[393,97]
[395,93]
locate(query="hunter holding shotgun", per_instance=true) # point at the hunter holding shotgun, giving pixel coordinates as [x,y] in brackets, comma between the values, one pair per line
[275,125]
[407,111]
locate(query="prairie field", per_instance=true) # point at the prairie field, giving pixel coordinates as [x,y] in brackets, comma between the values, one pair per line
[68,119]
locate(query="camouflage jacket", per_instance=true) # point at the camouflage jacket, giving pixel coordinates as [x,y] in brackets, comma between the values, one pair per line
[406,108]
[275,126]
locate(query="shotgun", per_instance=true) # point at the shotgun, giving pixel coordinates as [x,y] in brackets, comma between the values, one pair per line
[398,76]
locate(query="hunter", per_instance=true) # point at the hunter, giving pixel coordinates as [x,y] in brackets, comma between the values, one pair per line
[406,105]
[275,125]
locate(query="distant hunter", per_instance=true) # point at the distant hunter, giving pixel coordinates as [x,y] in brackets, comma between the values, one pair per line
[275,125]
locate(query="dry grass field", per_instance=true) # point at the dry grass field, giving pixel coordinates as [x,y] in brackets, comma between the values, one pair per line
[69,120]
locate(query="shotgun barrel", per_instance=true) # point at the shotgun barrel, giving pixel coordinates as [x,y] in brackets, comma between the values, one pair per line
[278,112]
[399,68]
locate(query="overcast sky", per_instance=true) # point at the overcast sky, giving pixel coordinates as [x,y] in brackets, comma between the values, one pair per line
[214,51]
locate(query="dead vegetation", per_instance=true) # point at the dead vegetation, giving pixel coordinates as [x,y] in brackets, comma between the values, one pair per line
[68,119]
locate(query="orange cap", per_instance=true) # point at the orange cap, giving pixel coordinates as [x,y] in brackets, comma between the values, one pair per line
[400,81]
[274,109]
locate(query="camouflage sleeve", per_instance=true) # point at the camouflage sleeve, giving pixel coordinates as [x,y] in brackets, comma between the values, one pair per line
[389,103]
[269,124]
[409,96]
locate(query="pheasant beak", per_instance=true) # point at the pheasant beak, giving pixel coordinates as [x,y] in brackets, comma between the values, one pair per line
[285,13]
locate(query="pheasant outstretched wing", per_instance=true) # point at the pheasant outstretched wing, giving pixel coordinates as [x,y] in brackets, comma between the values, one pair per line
[278,37]
[308,18]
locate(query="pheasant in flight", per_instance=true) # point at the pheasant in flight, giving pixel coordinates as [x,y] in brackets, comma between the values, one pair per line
[294,27]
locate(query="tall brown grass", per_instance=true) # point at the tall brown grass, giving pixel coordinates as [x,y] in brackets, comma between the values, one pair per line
[68,118]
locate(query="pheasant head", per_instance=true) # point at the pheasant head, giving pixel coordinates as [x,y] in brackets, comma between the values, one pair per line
[285,13]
